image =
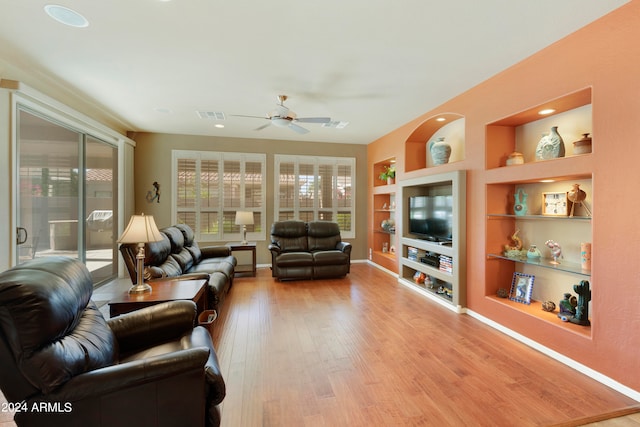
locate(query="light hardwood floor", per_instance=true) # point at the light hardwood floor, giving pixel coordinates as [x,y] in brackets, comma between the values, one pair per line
[365,351]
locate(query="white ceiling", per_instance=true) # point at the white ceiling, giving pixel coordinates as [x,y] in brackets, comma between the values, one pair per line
[376,64]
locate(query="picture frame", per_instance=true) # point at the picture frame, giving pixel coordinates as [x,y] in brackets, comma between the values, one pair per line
[521,288]
[556,204]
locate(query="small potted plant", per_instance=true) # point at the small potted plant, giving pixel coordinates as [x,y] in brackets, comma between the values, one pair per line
[388,174]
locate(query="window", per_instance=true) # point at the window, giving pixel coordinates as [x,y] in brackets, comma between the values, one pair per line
[212,186]
[313,188]
[67,198]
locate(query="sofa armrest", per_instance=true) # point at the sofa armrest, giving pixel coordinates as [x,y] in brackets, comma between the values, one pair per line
[215,251]
[275,248]
[344,247]
[150,325]
[117,378]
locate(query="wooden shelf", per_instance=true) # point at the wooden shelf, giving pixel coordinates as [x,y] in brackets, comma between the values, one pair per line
[535,311]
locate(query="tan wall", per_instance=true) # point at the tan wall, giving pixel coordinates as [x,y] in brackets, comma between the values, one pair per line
[606,57]
[153,163]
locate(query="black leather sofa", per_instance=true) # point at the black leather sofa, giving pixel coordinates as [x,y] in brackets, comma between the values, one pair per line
[63,364]
[178,255]
[312,250]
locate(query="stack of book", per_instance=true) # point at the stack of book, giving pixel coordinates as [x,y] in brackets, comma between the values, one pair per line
[412,253]
[446,264]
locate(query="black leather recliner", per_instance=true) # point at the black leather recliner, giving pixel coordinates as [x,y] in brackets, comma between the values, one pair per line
[63,364]
[313,250]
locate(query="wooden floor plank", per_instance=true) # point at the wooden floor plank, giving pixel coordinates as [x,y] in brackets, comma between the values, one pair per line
[365,351]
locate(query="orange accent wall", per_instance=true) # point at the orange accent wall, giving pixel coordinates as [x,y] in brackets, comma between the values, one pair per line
[605,56]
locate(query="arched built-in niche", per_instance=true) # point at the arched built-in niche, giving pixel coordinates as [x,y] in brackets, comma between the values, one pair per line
[451,126]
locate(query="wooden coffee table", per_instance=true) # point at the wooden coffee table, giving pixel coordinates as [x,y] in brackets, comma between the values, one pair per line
[161,291]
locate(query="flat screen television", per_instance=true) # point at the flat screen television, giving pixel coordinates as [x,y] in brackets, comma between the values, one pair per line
[431,217]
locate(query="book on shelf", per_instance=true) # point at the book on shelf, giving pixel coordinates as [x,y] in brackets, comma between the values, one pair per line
[446,264]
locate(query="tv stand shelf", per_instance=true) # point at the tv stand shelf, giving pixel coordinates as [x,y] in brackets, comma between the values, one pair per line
[444,281]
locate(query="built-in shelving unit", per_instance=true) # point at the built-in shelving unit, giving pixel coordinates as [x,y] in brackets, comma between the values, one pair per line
[383,250]
[436,269]
[521,133]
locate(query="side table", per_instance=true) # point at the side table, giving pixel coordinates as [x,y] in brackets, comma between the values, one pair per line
[249,246]
[161,291]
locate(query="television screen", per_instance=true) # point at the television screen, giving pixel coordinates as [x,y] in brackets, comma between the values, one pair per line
[431,217]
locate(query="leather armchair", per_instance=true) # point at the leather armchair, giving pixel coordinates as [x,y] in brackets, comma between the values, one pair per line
[310,250]
[63,364]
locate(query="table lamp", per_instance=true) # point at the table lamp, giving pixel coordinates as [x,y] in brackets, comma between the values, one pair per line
[244,219]
[141,229]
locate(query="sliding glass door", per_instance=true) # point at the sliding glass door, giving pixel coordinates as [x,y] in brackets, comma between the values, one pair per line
[67,194]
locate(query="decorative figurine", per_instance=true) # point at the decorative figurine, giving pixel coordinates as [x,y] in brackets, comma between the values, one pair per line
[156,189]
[502,293]
[577,196]
[514,250]
[533,252]
[520,205]
[582,309]
[556,251]
[567,307]
[549,306]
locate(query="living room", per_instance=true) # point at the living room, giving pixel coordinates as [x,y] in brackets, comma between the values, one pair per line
[600,60]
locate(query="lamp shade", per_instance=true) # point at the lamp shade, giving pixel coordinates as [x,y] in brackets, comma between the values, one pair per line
[244,218]
[141,229]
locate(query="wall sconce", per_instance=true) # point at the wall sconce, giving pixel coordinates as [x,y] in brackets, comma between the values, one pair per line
[141,229]
[244,219]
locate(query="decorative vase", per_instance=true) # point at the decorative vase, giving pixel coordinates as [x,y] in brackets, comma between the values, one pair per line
[440,151]
[520,203]
[515,158]
[582,146]
[533,252]
[550,146]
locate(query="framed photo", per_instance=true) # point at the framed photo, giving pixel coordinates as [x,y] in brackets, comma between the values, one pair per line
[555,204]
[521,288]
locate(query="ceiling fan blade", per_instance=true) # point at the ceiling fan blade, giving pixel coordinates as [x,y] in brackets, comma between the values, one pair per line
[251,117]
[299,129]
[263,126]
[313,119]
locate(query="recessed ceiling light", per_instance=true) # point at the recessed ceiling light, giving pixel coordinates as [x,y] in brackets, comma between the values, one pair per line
[66,16]
[546,111]
[440,119]
[547,180]
[218,125]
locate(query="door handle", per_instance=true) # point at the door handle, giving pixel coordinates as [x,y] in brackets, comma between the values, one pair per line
[21,235]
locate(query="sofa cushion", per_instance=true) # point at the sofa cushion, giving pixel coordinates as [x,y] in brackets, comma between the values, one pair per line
[294,259]
[290,236]
[155,253]
[169,268]
[176,238]
[323,235]
[184,259]
[334,257]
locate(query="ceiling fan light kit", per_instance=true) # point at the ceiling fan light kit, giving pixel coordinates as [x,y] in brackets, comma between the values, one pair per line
[285,118]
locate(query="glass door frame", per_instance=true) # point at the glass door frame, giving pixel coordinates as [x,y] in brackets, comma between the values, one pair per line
[49,109]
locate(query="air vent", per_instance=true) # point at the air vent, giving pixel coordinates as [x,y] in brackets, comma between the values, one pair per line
[211,115]
[335,124]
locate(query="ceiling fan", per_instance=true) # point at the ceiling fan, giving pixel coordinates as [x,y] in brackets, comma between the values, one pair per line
[282,117]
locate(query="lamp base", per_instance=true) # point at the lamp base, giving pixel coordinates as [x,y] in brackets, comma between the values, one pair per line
[140,288]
